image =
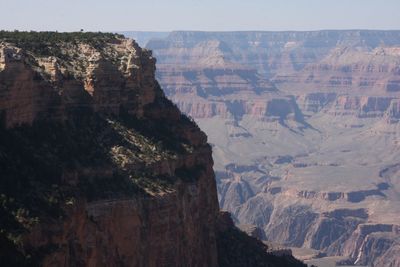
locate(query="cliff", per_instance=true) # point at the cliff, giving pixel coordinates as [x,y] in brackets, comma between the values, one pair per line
[98,168]
[305,133]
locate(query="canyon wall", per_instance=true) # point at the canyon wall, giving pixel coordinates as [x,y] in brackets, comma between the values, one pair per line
[98,167]
[105,94]
[304,129]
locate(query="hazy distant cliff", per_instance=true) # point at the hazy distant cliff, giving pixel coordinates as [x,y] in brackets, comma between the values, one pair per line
[305,132]
[98,168]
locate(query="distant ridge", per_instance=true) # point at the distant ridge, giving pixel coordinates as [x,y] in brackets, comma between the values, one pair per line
[142,37]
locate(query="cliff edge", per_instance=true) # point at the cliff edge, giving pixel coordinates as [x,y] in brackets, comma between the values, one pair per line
[98,168]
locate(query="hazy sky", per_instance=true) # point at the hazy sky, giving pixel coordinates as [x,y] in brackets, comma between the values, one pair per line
[223,15]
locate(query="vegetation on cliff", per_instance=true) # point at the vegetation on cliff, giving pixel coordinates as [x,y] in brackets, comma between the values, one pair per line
[48,43]
[98,168]
[34,161]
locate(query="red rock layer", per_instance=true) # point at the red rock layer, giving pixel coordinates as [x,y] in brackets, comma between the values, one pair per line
[176,227]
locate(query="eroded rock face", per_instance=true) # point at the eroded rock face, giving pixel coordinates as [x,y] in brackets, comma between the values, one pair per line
[204,82]
[107,80]
[159,231]
[232,255]
[373,243]
[21,99]
[98,168]
[306,144]
[113,174]
[358,68]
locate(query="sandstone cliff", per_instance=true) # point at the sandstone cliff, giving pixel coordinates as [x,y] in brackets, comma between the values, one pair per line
[98,168]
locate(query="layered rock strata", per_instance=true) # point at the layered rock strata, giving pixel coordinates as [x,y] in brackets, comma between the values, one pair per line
[305,147]
[118,176]
[98,168]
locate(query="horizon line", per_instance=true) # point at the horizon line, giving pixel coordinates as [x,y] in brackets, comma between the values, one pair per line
[217,31]
[209,31]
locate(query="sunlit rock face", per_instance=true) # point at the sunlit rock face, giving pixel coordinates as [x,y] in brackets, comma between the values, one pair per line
[304,128]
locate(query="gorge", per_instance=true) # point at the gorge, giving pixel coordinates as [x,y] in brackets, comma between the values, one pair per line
[99,168]
[305,132]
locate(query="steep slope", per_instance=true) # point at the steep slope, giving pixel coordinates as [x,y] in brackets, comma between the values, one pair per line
[309,157]
[98,168]
[233,244]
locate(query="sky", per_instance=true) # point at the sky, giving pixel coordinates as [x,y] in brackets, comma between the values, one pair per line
[207,15]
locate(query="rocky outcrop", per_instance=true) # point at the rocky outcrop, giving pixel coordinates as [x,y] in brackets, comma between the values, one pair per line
[136,231]
[291,225]
[253,231]
[344,104]
[204,82]
[213,80]
[372,70]
[36,87]
[303,125]
[315,102]
[275,109]
[232,255]
[373,243]
[353,196]
[21,99]
[365,106]
[393,112]
[136,202]
[99,168]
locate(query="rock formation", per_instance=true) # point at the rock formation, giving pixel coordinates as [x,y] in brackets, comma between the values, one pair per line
[98,168]
[233,244]
[304,129]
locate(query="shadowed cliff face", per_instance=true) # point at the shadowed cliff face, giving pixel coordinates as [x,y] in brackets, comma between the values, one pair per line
[304,128]
[233,244]
[98,168]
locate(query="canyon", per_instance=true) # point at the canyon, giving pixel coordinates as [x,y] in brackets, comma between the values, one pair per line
[99,168]
[304,128]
